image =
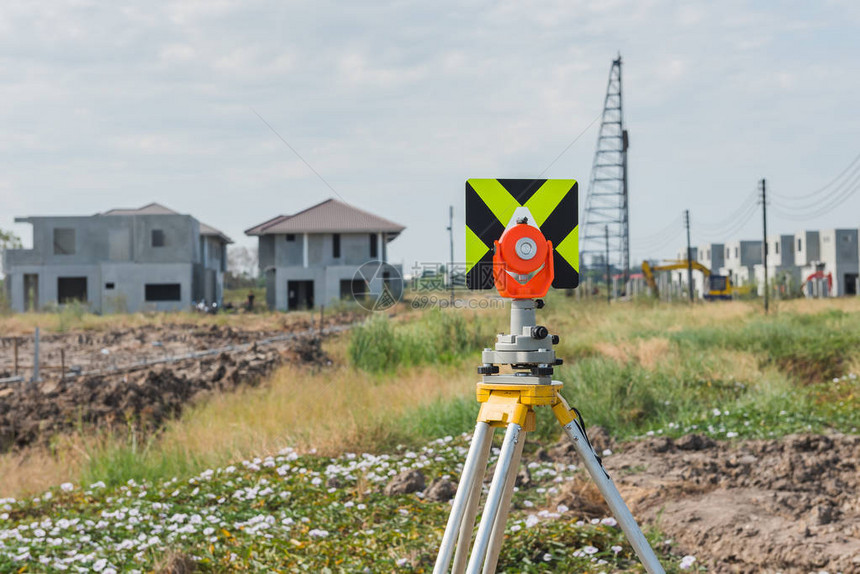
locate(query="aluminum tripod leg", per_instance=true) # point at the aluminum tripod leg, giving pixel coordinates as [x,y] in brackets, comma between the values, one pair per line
[502,518]
[467,525]
[465,505]
[616,504]
[494,499]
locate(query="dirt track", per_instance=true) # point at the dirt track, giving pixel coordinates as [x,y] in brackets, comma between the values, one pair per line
[145,395]
[787,505]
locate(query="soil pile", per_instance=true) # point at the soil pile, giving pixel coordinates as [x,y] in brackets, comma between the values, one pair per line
[788,505]
[146,396]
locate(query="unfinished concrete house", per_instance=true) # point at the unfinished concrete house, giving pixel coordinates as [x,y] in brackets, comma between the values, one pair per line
[123,260]
[783,274]
[311,258]
[838,264]
[741,257]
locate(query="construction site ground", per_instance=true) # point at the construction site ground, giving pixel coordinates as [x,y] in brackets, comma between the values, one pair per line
[789,504]
[782,505]
[144,374]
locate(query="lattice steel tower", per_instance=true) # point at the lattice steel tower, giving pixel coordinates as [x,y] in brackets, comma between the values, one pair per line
[606,204]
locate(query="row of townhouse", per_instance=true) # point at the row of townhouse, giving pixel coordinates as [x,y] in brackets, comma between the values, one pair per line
[153,258]
[814,263]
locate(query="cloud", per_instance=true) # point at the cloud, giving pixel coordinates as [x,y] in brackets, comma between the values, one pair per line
[397,104]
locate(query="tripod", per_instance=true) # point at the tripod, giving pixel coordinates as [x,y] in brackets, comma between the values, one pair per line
[508,400]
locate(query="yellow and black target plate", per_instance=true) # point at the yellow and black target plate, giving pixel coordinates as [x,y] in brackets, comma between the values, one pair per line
[492,205]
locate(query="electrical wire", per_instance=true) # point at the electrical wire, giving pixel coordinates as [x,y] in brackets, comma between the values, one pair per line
[854,163]
[745,204]
[847,189]
[661,245]
[740,221]
[671,230]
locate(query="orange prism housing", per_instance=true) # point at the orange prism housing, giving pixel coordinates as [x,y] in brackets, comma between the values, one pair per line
[507,261]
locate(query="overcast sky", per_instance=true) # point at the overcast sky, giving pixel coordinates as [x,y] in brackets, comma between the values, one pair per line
[115,104]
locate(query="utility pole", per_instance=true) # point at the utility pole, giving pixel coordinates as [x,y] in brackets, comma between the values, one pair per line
[451,261]
[689,254]
[764,239]
[608,289]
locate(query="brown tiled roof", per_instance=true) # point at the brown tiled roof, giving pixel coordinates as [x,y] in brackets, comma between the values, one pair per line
[330,216]
[158,209]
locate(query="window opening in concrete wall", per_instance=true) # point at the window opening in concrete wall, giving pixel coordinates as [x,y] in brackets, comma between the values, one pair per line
[162,292]
[335,245]
[300,295]
[31,291]
[158,238]
[374,247]
[119,245]
[64,241]
[291,236]
[350,288]
[109,286]
[71,289]
[799,245]
[776,248]
[851,283]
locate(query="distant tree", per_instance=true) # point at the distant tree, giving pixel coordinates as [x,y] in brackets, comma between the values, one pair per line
[242,267]
[8,240]
[242,260]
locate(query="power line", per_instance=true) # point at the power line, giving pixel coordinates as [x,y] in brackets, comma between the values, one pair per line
[847,189]
[298,155]
[576,139]
[822,189]
[738,224]
[744,206]
[670,229]
[661,245]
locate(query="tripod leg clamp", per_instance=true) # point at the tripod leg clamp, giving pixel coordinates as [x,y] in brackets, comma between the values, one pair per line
[500,408]
[562,410]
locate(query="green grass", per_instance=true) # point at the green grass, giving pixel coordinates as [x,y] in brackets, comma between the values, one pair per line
[809,347]
[115,459]
[439,337]
[774,375]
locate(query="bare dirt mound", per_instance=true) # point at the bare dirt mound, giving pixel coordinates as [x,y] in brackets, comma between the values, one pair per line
[145,396]
[786,505]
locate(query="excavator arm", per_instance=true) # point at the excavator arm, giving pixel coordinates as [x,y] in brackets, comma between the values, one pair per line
[648,271]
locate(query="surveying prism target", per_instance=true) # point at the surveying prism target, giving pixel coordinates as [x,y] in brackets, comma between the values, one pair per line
[494,205]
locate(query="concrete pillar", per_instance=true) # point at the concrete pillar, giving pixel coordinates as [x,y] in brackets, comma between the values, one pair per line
[304,250]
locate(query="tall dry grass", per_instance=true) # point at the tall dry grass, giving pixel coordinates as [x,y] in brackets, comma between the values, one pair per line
[333,410]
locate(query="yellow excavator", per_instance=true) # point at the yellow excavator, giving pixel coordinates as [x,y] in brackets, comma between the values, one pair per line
[719,286]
